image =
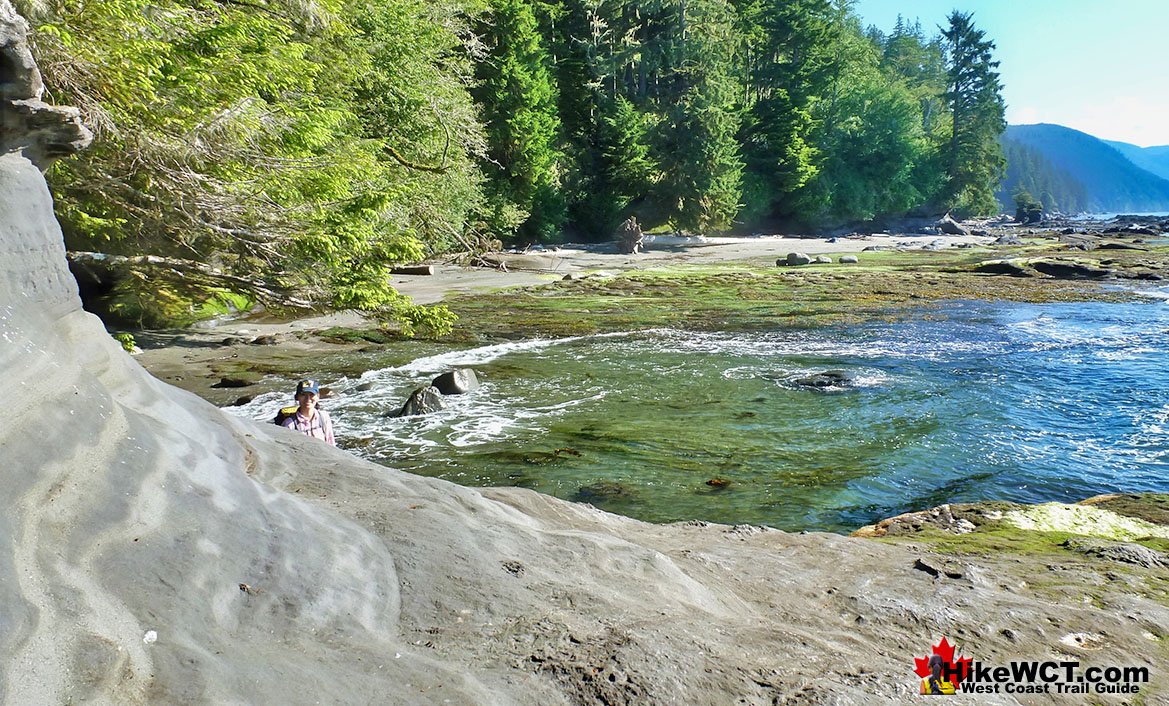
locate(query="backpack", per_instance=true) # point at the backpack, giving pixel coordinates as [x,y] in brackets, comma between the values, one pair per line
[287,413]
[284,414]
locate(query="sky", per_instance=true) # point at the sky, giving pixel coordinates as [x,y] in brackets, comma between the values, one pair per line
[1098,66]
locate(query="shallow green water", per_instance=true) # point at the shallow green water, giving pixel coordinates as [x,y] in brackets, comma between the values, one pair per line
[985,401]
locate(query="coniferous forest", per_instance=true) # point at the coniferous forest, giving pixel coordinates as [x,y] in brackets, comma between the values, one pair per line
[289,151]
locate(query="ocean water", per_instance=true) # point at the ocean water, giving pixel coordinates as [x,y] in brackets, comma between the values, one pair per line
[971,401]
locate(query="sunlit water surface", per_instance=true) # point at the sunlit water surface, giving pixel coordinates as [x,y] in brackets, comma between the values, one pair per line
[972,401]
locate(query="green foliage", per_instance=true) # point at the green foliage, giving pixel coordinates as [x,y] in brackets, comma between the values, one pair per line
[282,145]
[518,96]
[298,148]
[787,64]
[1029,170]
[698,154]
[1027,208]
[127,341]
[974,161]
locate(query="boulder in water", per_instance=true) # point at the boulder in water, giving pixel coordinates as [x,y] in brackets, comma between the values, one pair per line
[794,258]
[456,382]
[849,259]
[424,400]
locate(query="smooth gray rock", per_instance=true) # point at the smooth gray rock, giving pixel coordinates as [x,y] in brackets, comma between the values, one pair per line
[823,260]
[795,258]
[456,382]
[1123,552]
[849,259]
[154,549]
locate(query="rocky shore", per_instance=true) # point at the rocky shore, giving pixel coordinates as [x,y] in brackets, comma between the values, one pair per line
[158,551]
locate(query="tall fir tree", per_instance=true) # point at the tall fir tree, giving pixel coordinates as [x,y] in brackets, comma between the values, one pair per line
[787,52]
[518,97]
[974,160]
[697,150]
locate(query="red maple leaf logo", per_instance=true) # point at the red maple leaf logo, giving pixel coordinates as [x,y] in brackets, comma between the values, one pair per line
[956,669]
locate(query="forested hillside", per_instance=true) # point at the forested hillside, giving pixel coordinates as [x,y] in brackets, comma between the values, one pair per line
[1151,159]
[1033,174]
[1078,171]
[290,150]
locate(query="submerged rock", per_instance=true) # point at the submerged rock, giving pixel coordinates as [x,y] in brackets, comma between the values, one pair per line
[828,378]
[602,490]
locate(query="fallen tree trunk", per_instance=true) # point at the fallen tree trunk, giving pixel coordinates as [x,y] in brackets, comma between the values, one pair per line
[190,274]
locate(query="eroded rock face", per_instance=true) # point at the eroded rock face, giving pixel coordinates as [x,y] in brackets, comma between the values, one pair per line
[27,124]
[154,550]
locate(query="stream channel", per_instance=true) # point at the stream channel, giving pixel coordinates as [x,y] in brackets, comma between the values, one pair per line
[968,401]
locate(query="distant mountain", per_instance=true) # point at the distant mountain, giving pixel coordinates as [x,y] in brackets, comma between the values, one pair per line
[1055,187]
[1151,159]
[1078,172]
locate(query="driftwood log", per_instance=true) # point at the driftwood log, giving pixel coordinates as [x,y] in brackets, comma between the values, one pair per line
[413,270]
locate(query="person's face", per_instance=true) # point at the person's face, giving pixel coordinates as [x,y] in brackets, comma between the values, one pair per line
[307,399]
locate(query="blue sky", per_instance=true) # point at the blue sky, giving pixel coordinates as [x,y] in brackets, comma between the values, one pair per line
[1100,66]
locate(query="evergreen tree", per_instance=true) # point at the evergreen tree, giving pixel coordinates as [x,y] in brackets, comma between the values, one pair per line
[518,98]
[974,162]
[697,151]
[787,56]
[868,131]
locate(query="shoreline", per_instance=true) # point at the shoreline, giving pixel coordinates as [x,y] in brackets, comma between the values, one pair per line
[225,361]
[188,357]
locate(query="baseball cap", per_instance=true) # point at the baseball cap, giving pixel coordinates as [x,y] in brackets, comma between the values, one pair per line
[307,386]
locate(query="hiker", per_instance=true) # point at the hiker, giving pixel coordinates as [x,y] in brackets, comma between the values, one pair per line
[307,417]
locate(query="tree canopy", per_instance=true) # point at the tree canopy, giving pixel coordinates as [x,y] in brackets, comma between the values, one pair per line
[290,151]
